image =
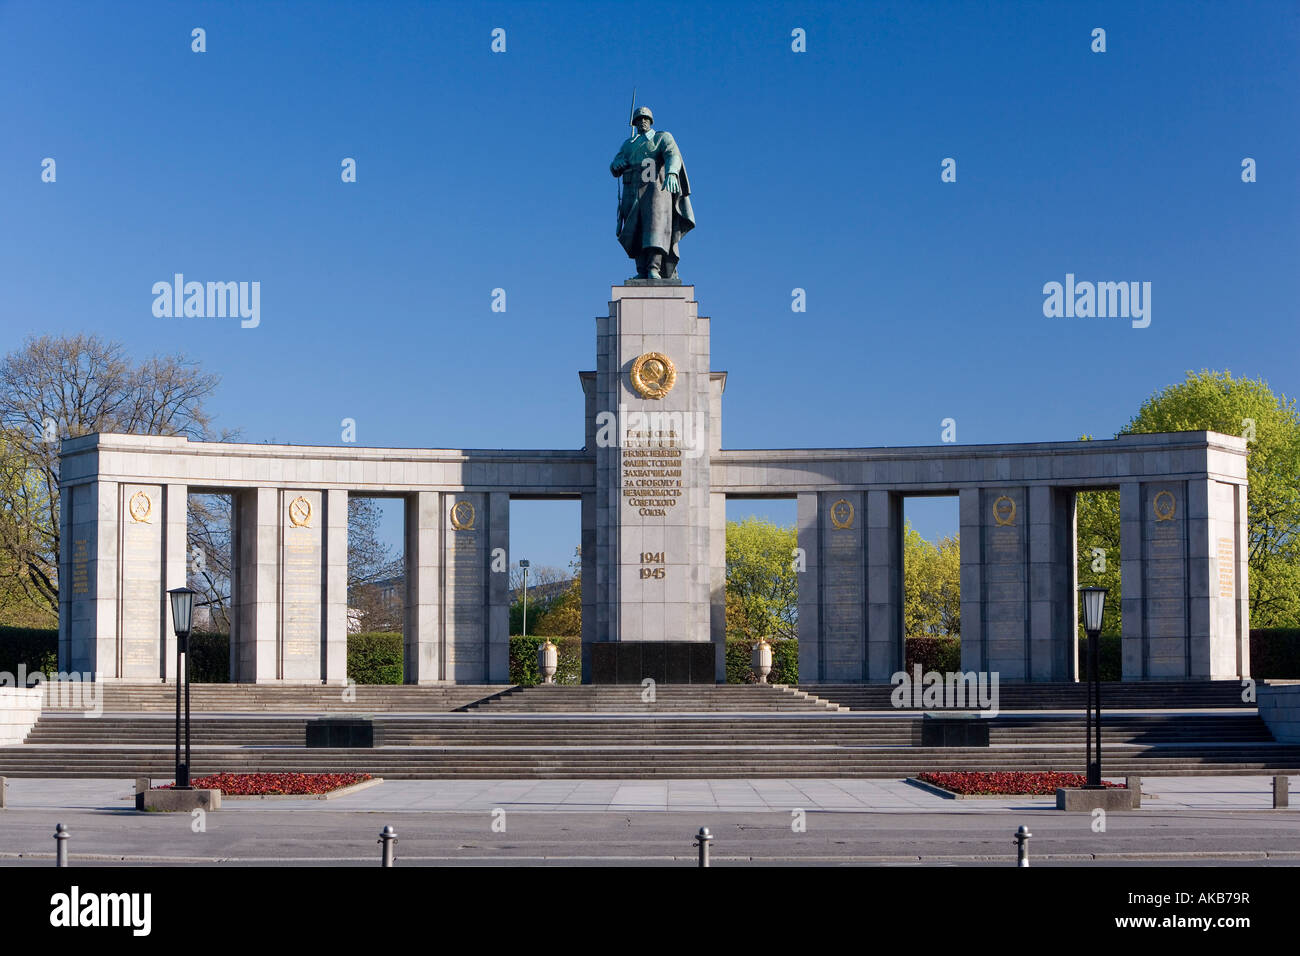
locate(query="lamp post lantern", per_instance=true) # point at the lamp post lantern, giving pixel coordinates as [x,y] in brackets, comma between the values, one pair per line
[1094,605]
[523,563]
[182,611]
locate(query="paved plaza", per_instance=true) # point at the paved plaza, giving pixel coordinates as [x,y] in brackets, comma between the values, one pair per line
[1189,820]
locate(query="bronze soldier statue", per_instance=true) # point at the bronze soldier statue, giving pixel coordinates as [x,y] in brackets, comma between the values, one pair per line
[655,209]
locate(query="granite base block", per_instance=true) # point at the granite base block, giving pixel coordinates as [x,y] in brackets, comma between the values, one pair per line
[1111,798]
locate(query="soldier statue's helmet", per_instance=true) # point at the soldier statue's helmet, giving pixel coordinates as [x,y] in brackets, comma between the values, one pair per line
[642,111]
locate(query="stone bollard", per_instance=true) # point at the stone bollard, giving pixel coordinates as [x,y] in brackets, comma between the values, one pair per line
[702,840]
[61,845]
[1134,783]
[142,785]
[1022,846]
[387,837]
[1281,791]
[3,784]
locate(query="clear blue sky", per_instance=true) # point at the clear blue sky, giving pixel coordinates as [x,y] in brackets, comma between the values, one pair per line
[818,170]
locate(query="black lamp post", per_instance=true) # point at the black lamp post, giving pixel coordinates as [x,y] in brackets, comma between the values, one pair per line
[1094,603]
[182,609]
[524,565]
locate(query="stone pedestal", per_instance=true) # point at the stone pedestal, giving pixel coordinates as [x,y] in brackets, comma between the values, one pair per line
[651,421]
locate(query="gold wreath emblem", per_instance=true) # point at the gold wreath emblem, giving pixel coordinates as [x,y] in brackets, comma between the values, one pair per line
[653,375]
[462,516]
[1165,506]
[300,512]
[139,506]
[1004,511]
[842,514]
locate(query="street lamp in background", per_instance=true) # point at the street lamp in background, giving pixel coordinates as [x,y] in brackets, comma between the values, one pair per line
[182,611]
[1094,604]
[523,563]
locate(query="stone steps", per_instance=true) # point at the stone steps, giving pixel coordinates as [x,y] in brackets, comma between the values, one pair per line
[257,698]
[1118,695]
[617,763]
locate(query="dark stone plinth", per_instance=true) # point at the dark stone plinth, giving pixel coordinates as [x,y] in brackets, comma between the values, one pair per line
[634,281]
[955,730]
[341,732]
[665,662]
[1111,798]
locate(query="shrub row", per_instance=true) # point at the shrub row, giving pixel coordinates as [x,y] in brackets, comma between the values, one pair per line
[785,661]
[376,658]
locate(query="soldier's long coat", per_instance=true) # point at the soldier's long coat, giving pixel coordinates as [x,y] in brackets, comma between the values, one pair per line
[651,216]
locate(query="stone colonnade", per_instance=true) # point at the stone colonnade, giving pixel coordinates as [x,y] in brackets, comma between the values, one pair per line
[1183,551]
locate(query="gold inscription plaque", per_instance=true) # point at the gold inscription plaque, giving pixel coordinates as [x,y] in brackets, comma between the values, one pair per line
[1165,506]
[300,512]
[842,514]
[653,375]
[463,516]
[139,507]
[1004,510]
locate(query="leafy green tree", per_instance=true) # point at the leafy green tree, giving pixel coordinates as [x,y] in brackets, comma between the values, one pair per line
[1215,401]
[762,583]
[1097,514]
[931,585]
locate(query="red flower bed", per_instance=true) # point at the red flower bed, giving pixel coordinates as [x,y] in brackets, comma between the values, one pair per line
[1009,782]
[269,784]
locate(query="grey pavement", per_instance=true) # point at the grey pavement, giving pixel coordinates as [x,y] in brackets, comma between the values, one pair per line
[854,795]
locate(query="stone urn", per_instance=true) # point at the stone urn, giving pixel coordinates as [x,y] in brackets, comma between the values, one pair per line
[548,659]
[762,660]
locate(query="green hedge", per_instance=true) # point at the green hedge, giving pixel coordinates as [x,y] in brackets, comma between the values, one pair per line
[209,658]
[375,657]
[785,661]
[1112,667]
[35,647]
[523,659]
[942,654]
[1275,653]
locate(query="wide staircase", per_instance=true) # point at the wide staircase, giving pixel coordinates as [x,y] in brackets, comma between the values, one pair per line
[661,698]
[690,735]
[270,698]
[1115,695]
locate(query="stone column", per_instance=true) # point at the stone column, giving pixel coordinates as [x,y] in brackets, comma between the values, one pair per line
[334,669]
[809,624]
[843,573]
[997,540]
[422,634]
[718,580]
[141,598]
[175,567]
[466,530]
[498,588]
[970,521]
[1219,636]
[653,405]
[1051,576]
[257,582]
[302,586]
[1133,640]
[591,628]
[88,596]
[1166,587]
[884,597]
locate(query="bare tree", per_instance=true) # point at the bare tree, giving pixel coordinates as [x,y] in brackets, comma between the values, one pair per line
[376,576]
[62,387]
